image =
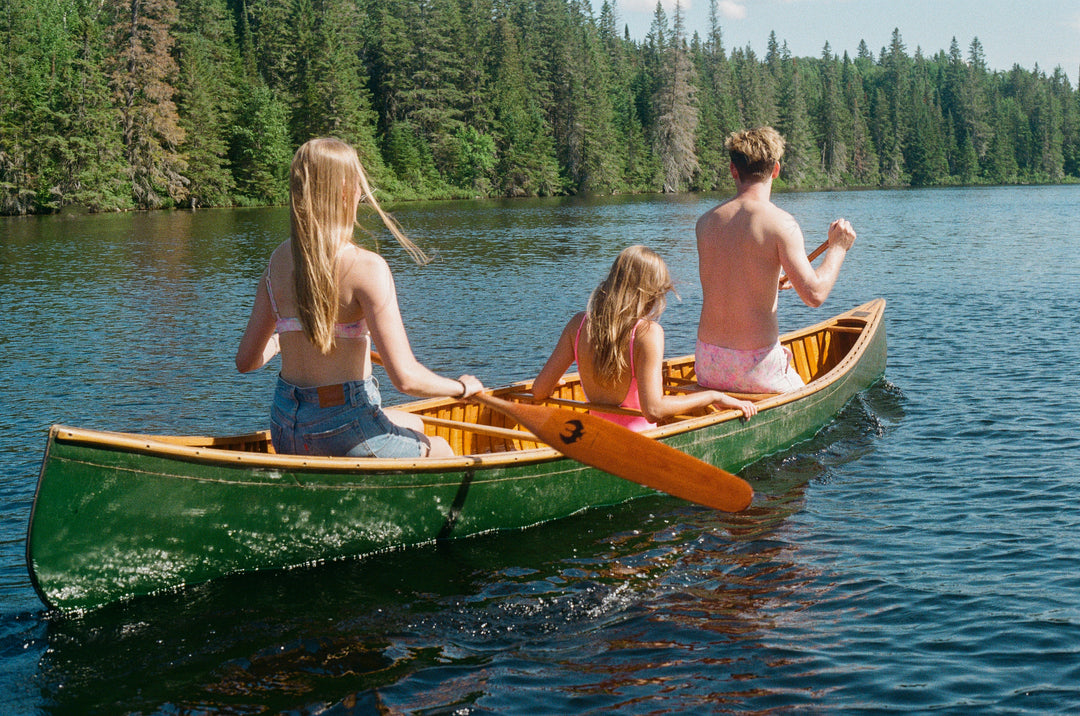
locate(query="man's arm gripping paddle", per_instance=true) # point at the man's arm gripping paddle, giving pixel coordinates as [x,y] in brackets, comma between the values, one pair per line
[785,282]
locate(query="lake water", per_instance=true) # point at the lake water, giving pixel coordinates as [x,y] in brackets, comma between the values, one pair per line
[921,553]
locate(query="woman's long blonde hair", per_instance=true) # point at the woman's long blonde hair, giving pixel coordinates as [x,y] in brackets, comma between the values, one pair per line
[636,287]
[323,180]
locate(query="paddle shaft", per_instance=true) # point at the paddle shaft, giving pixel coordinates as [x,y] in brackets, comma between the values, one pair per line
[623,453]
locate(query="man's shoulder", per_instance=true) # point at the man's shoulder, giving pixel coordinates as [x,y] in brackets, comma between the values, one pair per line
[755,210]
[712,213]
[766,207]
[767,217]
[717,215]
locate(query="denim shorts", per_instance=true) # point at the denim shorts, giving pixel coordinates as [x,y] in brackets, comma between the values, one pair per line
[344,420]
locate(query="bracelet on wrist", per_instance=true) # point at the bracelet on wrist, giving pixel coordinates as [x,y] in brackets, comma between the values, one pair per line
[464,388]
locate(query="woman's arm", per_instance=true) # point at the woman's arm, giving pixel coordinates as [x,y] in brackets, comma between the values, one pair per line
[259,343]
[649,362]
[561,358]
[374,289]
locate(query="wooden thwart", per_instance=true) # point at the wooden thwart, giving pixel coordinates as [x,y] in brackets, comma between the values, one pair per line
[490,430]
[581,404]
[694,388]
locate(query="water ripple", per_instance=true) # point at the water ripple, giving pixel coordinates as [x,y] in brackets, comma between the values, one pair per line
[918,554]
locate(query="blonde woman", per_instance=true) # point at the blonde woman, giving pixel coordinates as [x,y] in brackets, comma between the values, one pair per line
[618,346]
[321,302]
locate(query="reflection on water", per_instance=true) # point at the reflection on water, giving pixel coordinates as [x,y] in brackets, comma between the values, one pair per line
[918,554]
[599,606]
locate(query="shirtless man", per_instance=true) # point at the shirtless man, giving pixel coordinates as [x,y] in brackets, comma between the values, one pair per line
[743,245]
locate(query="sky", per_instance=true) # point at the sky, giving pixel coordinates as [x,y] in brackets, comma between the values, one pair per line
[1012,32]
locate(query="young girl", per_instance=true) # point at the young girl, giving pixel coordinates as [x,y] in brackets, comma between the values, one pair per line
[619,347]
[320,302]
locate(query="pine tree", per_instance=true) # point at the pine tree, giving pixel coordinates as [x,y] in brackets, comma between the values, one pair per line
[261,150]
[893,110]
[637,164]
[1000,165]
[865,167]
[756,89]
[558,84]
[975,101]
[526,163]
[269,42]
[677,106]
[58,139]
[418,71]
[835,122]
[206,101]
[719,114]
[925,146]
[113,104]
[802,161]
[963,160]
[593,134]
[478,38]
[95,151]
[1048,122]
[330,83]
[143,74]
[1070,122]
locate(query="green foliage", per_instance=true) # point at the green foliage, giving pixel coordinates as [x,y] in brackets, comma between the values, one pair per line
[473,160]
[209,74]
[119,104]
[261,151]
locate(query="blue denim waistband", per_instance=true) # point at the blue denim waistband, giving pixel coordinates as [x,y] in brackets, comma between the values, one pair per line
[352,392]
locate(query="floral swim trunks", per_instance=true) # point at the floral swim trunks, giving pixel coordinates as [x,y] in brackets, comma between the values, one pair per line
[764,370]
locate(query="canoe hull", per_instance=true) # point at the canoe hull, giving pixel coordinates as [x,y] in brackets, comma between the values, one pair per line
[115,516]
[156,524]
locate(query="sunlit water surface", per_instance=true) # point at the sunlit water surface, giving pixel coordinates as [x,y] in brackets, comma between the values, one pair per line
[920,553]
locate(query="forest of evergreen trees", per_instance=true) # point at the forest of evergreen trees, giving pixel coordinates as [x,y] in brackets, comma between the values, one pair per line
[121,104]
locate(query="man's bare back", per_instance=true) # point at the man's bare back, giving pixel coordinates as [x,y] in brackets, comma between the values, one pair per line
[739,265]
[743,246]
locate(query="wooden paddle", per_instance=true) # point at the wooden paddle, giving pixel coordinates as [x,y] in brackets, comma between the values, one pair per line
[813,255]
[626,454]
[623,453]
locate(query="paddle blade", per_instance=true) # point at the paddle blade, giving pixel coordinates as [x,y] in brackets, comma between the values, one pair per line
[614,449]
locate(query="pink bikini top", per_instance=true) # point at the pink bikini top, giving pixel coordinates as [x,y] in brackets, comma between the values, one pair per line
[356,329]
[637,423]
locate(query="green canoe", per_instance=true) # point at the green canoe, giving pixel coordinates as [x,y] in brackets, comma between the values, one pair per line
[118,515]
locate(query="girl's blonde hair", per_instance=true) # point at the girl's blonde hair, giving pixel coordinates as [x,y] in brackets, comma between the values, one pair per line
[324,179]
[636,287]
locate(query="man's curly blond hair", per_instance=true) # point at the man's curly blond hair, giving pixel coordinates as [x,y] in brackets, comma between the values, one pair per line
[755,152]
